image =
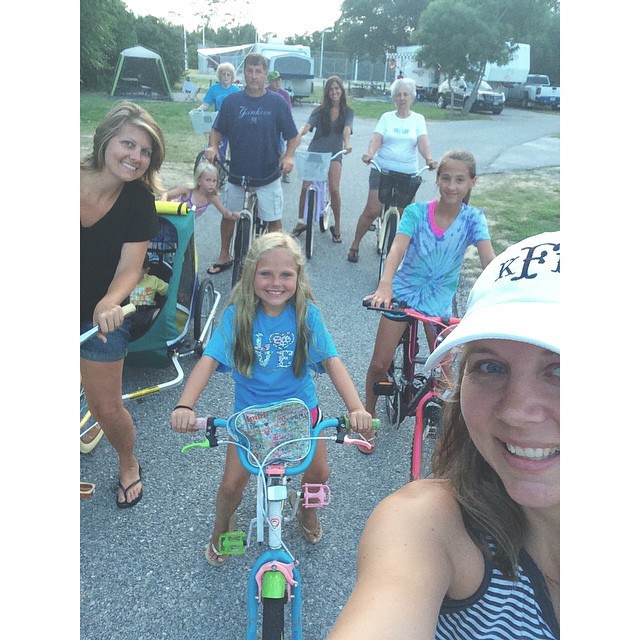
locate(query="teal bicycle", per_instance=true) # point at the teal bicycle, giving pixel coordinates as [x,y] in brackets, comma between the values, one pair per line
[274,443]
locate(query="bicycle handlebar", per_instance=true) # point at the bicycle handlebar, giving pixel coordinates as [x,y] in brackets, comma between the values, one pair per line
[128,309]
[412,175]
[400,308]
[340,424]
[173,208]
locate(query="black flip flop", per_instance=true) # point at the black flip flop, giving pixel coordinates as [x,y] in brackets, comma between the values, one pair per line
[220,268]
[125,504]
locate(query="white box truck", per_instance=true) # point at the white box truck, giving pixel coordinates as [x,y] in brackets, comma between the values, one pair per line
[404,62]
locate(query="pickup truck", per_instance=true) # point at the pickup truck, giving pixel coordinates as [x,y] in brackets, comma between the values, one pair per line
[536,90]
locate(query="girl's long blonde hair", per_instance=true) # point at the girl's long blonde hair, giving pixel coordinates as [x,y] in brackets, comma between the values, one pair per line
[246,301]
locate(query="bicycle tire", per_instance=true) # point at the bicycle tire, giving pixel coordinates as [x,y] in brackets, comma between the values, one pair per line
[311,210]
[389,235]
[204,305]
[240,247]
[326,219]
[429,432]
[273,618]
[393,403]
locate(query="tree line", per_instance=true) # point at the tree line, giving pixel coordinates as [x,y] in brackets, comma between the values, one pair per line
[458,36]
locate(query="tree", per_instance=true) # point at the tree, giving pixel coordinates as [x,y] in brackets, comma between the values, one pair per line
[460,36]
[106,27]
[373,27]
[165,39]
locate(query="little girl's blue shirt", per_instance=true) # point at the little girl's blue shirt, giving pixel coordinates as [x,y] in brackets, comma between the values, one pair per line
[274,344]
[427,277]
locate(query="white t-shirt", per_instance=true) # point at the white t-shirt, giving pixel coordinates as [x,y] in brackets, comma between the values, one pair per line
[399,150]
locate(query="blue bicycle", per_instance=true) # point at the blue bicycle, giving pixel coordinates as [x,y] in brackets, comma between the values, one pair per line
[274,442]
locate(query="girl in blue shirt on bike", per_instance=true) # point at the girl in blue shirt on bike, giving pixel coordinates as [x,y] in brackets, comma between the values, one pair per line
[272,339]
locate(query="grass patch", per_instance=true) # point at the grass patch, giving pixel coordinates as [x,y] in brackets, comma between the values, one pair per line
[519,204]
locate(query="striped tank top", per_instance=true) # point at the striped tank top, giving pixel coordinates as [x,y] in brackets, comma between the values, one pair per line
[502,609]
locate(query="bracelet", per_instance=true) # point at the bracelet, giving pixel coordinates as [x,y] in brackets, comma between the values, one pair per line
[183,406]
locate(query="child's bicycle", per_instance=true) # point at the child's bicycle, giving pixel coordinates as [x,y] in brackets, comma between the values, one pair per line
[317,205]
[274,442]
[396,190]
[408,393]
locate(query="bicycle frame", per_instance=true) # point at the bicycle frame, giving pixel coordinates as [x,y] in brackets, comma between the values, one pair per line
[321,203]
[416,394]
[274,574]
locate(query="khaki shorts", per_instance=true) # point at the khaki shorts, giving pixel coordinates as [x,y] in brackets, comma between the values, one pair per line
[270,199]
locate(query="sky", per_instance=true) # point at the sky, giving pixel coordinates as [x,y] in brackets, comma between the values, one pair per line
[282,17]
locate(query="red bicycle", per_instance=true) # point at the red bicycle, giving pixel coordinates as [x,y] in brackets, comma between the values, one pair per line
[408,393]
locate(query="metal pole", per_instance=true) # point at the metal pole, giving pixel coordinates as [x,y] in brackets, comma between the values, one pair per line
[321,52]
[186,58]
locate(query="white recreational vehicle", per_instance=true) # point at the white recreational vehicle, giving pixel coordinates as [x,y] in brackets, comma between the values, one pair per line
[405,62]
[293,61]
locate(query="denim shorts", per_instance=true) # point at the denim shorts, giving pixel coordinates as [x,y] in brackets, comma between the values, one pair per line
[113,350]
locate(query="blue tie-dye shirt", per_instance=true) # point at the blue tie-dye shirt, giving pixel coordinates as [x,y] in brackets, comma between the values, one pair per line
[428,276]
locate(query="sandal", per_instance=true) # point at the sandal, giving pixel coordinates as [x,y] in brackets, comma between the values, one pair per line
[335,236]
[298,231]
[312,537]
[352,256]
[211,554]
[365,450]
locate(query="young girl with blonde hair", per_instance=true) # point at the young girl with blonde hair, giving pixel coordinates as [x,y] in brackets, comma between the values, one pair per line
[272,338]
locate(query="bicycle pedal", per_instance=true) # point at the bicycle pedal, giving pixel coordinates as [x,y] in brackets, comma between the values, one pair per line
[384,388]
[315,496]
[231,543]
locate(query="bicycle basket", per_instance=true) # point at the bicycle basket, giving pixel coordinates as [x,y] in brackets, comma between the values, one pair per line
[263,429]
[397,189]
[313,166]
[202,121]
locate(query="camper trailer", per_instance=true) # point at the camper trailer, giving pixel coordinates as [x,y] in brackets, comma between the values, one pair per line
[294,62]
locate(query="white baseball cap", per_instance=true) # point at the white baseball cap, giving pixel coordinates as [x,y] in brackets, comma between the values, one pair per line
[516,297]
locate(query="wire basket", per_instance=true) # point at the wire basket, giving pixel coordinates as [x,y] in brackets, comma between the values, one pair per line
[313,166]
[202,121]
[397,189]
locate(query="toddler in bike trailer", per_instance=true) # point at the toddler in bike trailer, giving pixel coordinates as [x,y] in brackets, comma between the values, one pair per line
[205,192]
[272,338]
[145,295]
[424,262]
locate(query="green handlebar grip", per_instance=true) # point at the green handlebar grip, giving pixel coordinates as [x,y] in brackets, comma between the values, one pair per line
[204,445]
[375,423]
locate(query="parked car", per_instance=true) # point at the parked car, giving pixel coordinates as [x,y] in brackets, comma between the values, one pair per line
[486,100]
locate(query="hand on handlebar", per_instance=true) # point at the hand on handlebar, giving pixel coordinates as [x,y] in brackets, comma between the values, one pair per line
[286,164]
[382,296]
[366,158]
[183,420]
[348,150]
[360,421]
[432,164]
[211,154]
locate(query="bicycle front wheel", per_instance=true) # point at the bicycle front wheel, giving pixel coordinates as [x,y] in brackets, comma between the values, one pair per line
[204,307]
[273,618]
[240,247]
[393,403]
[311,211]
[326,219]
[428,431]
[389,235]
